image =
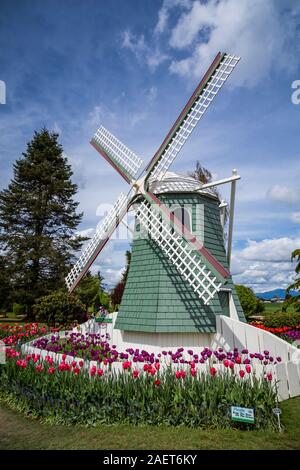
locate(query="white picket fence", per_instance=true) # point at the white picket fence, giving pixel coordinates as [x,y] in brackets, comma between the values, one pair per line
[235,334]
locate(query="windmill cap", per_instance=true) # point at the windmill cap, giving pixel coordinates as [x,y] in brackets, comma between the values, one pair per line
[172,182]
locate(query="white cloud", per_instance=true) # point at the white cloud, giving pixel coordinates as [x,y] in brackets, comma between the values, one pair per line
[57,129]
[163,14]
[96,115]
[193,22]
[265,265]
[134,43]
[295,217]
[285,194]
[276,249]
[152,94]
[162,20]
[112,276]
[240,28]
[153,56]
[88,232]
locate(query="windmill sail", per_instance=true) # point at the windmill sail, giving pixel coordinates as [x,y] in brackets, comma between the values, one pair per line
[196,264]
[126,162]
[202,97]
[199,268]
[102,235]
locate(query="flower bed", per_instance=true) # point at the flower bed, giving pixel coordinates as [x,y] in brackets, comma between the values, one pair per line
[288,333]
[95,347]
[13,335]
[142,393]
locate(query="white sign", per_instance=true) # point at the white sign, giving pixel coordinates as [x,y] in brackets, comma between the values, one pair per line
[244,415]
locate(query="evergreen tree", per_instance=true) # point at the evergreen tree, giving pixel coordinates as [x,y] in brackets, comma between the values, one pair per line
[117,292]
[90,290]
[4,285]
[125,272]
[203,175]
[38,220]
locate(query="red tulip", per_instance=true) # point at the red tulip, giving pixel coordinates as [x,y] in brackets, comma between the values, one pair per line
[248,368]
[51,370]
[157,365]
[135,373]
[100,372]
[226,363]
[76,370]
[64,356]
[81,363]
[213,371]
[238,359]
[242,373]
[193,372]
[269,377]
[157,382]
[126,365]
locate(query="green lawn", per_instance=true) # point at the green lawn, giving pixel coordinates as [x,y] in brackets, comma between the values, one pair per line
[270,308]
[20,432]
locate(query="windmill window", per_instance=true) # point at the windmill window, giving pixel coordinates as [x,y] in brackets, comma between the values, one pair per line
[184,217]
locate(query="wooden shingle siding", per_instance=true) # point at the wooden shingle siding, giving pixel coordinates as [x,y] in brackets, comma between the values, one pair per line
[156,298]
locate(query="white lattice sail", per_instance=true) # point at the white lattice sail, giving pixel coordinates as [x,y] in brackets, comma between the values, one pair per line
[187,261]
[103,233]
[211,89]
[127,161]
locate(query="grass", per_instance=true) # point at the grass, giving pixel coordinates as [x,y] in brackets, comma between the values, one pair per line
[271,308]
[20,432]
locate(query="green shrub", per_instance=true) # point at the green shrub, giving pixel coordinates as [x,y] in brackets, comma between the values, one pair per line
[249,302]
[59,307]
[280,319]
[18,309]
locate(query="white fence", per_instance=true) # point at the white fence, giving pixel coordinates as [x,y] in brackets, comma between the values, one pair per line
[235,334]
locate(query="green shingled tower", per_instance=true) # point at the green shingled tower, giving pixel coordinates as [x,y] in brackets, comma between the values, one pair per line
[156,298]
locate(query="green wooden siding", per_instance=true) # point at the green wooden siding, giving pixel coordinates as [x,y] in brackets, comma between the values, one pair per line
[156,297]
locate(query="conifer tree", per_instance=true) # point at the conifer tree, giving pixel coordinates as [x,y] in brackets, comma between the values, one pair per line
[38,220]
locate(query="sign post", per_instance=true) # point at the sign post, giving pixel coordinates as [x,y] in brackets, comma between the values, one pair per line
[277,412]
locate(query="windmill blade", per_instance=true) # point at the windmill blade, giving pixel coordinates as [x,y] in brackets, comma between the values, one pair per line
[194,262]
[101,237]
[126,162]
[202,97]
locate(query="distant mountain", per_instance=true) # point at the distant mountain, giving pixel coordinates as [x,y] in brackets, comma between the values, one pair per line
[275,293]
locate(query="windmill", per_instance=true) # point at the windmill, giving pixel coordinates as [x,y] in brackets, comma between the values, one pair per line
[170,259]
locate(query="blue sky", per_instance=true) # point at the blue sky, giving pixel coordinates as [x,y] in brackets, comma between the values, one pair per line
[131,65]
